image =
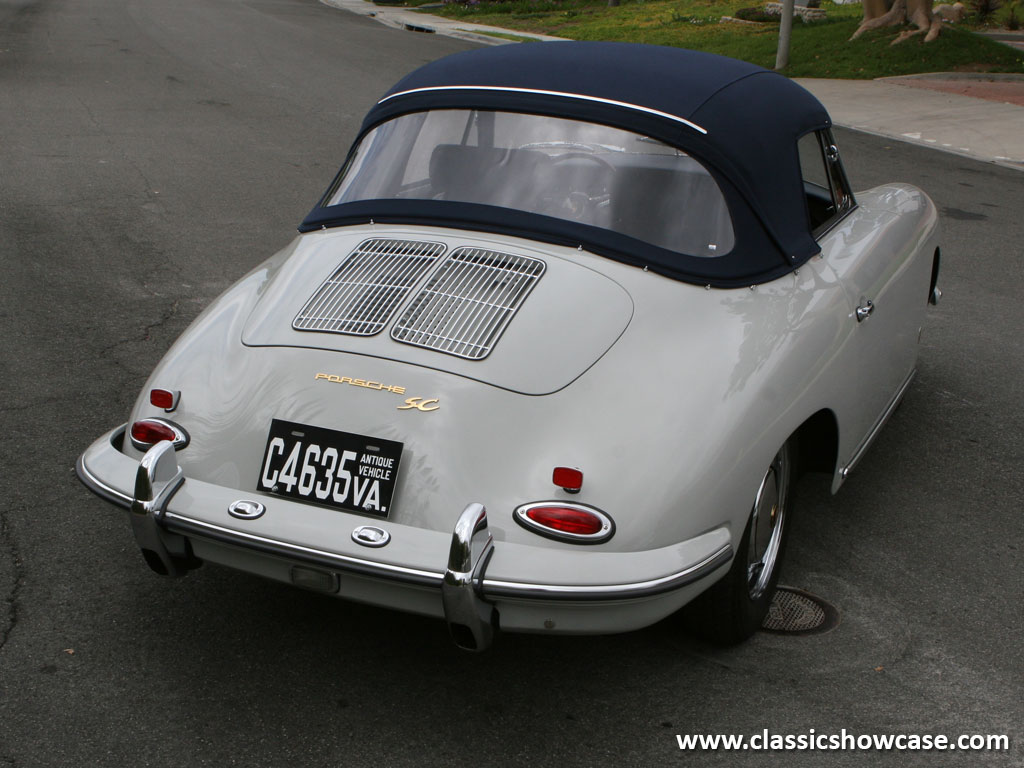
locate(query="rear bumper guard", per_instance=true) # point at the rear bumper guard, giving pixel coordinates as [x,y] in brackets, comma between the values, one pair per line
[470,618]
[156,481]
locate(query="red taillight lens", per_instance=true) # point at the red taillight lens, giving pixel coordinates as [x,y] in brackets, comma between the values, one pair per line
[151,432]
[148,432]
[582,522]
[567,478]
[163,398]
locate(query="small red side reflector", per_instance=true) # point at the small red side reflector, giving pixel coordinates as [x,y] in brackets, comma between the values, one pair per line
[568,479]
[163,398]
[581,522]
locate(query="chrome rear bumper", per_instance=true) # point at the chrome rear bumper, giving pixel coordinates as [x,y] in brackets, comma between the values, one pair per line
[171,535]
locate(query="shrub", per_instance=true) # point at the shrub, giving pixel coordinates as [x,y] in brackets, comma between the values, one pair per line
[1012,22]
[983,9]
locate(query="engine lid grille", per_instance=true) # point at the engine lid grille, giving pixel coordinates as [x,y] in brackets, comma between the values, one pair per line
[362,293]
[468,302]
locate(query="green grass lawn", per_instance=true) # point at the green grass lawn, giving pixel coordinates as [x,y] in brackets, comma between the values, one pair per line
[818,50]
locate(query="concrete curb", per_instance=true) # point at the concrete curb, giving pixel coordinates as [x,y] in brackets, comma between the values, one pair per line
[993,77]
[417,21]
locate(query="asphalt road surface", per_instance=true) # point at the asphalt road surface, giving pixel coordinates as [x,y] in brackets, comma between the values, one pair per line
[151,153]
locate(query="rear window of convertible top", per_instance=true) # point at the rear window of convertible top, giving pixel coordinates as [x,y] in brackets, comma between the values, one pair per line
[569,169]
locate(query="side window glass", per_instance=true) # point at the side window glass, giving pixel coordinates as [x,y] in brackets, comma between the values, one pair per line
[825,186]
[817,187]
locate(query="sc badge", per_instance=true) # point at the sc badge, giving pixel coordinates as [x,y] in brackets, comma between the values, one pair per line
[420,404]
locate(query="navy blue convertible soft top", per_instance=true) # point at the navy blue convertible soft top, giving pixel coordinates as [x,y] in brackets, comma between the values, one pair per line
[741,121]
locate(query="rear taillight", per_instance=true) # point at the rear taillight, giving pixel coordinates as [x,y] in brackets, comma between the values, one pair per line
[148,432]
[566,522]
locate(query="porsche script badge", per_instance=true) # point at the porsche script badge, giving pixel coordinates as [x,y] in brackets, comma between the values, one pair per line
[412,403]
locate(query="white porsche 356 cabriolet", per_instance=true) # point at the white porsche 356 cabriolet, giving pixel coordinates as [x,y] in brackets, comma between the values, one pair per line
[546,356]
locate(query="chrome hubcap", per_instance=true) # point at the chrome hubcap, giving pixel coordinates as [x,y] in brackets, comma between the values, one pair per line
[766,525]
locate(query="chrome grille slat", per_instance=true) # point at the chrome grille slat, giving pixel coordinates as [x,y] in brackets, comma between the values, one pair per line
[367,287]
[468,302]
[367,291]
[473,312]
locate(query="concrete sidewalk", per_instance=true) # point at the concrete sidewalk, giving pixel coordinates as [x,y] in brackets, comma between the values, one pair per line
[976,115]
[934,110]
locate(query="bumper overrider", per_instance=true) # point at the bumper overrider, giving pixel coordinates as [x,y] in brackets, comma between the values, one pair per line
[465,577]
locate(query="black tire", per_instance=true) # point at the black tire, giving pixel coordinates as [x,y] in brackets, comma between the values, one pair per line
[734,608]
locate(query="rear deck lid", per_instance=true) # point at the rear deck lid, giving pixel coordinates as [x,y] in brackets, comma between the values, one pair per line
[498,311]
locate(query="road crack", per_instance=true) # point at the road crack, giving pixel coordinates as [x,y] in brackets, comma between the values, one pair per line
[146,332]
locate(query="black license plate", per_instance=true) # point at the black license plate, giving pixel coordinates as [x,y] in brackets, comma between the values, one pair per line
[324,466]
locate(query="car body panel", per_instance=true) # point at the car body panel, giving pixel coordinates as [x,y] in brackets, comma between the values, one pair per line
[882,253]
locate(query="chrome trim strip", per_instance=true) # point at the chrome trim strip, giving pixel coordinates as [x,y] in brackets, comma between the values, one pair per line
[490,588]
[878,426]
[540,92]
[187,525]
[101,489]
[498,589]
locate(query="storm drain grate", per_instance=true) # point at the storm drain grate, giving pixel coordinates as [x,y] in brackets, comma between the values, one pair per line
[794,611]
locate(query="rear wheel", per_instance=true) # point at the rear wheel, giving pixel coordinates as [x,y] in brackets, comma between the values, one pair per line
[734,608]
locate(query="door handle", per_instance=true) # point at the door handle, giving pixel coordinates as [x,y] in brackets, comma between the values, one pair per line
[864,310]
